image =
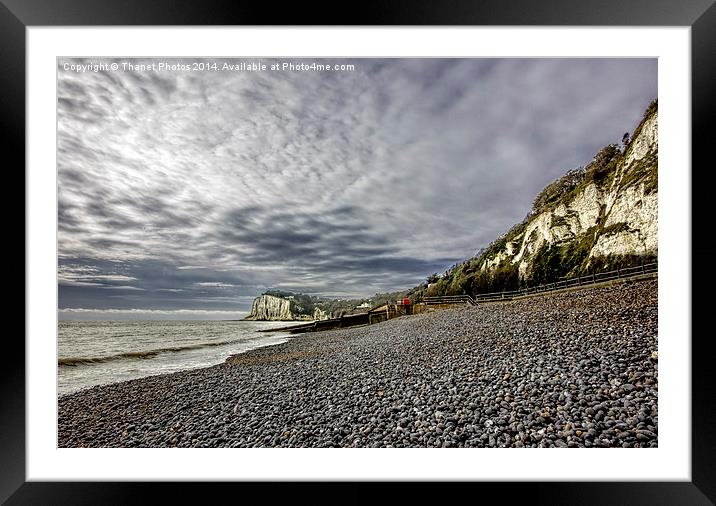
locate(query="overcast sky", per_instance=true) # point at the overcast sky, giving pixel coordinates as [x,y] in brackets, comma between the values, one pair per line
[187,193]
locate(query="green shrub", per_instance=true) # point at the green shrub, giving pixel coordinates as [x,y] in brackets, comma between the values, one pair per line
[554,191]
[613,262]
[603,165]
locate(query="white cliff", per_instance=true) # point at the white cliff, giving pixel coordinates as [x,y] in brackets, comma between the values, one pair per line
[268,307]
[614,216]
[320,314]
[633,204]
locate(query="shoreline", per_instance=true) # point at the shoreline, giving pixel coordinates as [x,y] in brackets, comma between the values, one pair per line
[571,369]
[166,346]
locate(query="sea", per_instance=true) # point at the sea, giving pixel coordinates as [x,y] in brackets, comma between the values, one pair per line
[99,352]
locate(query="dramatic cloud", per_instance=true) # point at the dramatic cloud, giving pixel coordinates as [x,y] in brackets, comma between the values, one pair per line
[198,190]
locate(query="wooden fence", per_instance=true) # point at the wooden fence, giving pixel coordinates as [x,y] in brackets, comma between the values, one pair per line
[586,280]
[449,299]
[387,310]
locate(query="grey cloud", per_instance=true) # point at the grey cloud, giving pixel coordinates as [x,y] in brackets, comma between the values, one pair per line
[345,182]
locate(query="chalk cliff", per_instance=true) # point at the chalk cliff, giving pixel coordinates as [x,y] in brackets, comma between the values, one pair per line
[613,214]
[268,307]
[594,218]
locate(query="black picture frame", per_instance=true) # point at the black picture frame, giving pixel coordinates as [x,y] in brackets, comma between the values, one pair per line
[700,15]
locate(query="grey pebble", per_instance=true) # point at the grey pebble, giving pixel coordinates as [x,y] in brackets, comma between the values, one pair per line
[563,370]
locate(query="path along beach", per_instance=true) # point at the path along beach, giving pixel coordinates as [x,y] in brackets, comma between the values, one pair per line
[574,369]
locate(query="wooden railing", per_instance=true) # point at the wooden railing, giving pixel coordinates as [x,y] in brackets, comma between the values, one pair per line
[450,299]
[585,280]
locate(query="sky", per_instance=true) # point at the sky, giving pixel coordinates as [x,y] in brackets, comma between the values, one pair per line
[188,187]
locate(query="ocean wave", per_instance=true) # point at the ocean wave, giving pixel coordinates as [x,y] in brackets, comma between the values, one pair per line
[139,355]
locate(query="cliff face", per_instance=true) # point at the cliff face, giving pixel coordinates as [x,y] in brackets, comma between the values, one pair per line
[320,314]
[272,308]
[268,307]
[632,207]
[616,214]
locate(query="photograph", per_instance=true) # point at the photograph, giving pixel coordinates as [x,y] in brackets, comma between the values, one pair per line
[290,250]
[414,252]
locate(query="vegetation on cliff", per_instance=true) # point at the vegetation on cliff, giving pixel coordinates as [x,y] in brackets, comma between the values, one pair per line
[304,305]
[612,172]
[493,271]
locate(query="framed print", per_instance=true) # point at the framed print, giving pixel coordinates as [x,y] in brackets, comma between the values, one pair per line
[259,252]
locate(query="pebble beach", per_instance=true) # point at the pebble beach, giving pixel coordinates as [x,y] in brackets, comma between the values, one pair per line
[571,369]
